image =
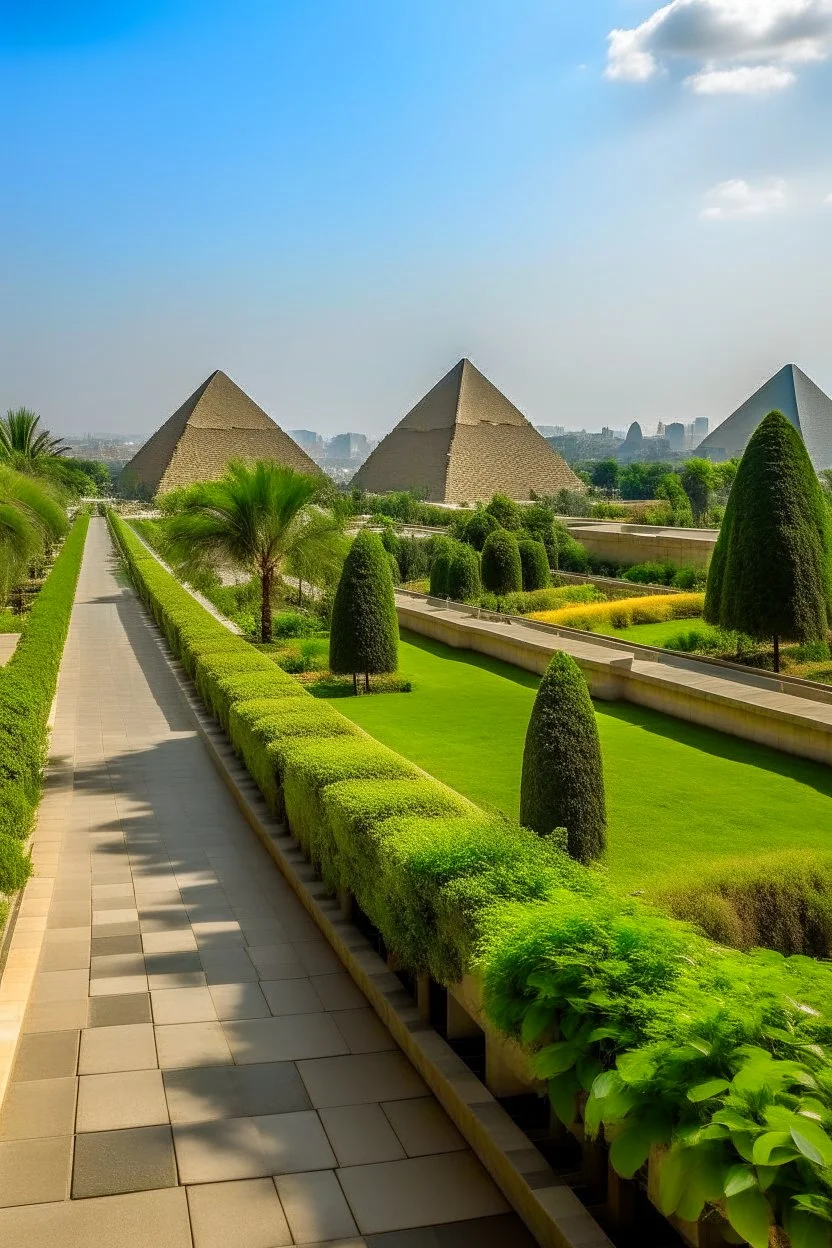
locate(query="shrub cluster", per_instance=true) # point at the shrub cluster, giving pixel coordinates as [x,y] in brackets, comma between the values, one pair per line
[665,574]
[720,1055]
[624,612]
[534,563]
[502,571]
[27,687]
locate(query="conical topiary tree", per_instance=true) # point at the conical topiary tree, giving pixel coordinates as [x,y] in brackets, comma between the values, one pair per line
[562,785]
[502,571]
[535,564]
[440,566]
[364,636]
[464,583]
[771,570]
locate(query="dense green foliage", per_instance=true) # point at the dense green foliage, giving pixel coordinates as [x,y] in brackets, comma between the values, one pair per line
[364,635]
[401,505]
[771,571]
[506,512]
[478,527]
[27,687]
[697,482]
[562,785]
[441,555]
[535,564]
[502,571]
[31,521]
[464,582]
[720,1055]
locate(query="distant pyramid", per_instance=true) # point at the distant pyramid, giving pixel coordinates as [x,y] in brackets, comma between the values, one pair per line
[463,443]
[795,395]
[217,423]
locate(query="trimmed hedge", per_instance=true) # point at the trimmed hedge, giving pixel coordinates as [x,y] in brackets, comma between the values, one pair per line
[678,1041]
[27,687]
[464,583]
[364,636]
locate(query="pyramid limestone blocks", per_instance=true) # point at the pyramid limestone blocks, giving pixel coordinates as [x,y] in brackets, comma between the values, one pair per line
[795,395]
[463,443]
[219,422]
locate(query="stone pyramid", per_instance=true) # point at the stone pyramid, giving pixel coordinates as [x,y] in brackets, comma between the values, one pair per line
[217,423]
[463,443]
[795,395]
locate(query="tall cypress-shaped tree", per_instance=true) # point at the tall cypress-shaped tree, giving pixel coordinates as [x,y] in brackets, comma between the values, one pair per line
[562,784]
[364,636]
[535,564]
[502,571]
[771,571]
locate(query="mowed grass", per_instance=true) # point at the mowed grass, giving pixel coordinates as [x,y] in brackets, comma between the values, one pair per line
[679,796]
[656,634]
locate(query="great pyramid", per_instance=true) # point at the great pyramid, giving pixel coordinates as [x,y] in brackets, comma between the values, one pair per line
[795,395]
[217,423]
[463,443]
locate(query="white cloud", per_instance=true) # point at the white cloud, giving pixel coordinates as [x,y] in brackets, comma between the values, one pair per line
[744,80]
[828,201]
[736,198]
[740,46]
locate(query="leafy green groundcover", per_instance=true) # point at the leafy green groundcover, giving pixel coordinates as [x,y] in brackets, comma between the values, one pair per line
[719,1056]
[27,687]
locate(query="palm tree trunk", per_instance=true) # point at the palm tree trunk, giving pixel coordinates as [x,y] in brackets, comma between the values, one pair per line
[266,605]
[776,653]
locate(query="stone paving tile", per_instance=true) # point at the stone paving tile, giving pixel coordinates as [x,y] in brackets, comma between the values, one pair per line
[133,1098]
[108,1163]
[315,1207]
[187,999]
[242,1214]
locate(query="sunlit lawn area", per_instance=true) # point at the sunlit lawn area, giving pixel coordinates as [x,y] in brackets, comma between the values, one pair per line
[679,796]
[657,634]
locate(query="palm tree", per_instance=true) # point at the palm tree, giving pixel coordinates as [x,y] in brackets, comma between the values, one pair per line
[31,519]
[23,444]
[261,518]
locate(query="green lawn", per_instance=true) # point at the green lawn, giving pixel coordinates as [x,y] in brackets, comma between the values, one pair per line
[656,634]
[678,795]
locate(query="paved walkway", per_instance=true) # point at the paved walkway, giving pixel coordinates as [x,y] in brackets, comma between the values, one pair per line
[196,1068]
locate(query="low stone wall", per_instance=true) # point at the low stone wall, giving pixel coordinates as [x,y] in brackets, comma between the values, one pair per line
[626,544]
[753,708]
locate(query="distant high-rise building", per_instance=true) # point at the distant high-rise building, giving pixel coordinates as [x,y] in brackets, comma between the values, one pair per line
[347,446]
[660,428]
[675,434]
[307,438]
[700,429]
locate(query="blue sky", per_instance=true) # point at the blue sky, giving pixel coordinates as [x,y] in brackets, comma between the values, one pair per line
[335,201]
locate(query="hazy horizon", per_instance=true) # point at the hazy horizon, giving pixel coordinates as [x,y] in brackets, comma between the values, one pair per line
[616,218]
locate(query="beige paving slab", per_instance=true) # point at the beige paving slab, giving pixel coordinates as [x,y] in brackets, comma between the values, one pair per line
[242,1214]
[315,1207]
[420,1191]
[158,1218]
[134,1098]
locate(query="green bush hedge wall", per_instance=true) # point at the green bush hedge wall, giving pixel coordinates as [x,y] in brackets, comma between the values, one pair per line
[27,687]
[721,1056]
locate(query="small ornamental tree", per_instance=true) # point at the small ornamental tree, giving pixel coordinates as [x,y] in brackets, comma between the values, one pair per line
[535,564]
[464,582]
[506,512]
[364,636]
[771,570]
[480,526]
[502,571]
[698,483]
[442,555]
[605,476]
[562,785]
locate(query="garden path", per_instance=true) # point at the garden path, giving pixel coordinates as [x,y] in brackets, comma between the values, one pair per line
[196,1068]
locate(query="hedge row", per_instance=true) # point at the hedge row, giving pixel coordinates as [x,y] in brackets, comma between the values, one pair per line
[27,687]
[664,1038]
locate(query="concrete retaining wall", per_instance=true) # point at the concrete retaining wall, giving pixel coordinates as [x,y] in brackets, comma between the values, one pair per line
[626,544]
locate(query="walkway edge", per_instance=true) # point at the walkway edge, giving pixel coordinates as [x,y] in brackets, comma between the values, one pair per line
[552,1211]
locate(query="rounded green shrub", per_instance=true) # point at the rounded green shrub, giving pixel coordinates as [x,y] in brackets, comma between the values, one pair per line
[771,571]
[535,564]
[562,785]
[395,571]
[464,582]
[502,571]
[365,632]
[480,526]
[505,511]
